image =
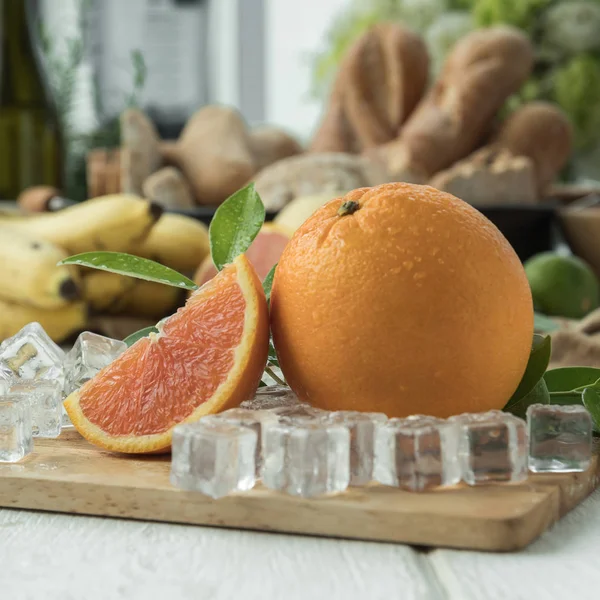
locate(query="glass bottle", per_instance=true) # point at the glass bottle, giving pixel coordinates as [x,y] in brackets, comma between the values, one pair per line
[30,139]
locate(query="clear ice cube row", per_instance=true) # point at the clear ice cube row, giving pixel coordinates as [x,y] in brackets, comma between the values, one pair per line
[299,450]
[309,452]
[218,457]
[421,453]
[306,452]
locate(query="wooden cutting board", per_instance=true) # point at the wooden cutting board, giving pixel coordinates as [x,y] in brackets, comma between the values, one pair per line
[68,475]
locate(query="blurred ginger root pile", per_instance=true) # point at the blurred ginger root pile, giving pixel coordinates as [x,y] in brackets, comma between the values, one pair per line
[215,155]
[385,120]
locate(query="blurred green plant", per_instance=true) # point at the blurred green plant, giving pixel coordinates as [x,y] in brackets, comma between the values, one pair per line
[444,32]
[565,35]
[360,15]
[519,13]
[346,28]
[577,90]
[62,68]
[572,27]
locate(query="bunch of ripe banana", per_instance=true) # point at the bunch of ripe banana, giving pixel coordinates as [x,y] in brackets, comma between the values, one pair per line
[62,298]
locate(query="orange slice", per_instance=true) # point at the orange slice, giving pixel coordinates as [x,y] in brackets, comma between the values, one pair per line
[207,357]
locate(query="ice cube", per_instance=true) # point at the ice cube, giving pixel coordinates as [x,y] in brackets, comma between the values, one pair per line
[361,427]
[271,396]
[16,439]
[6,375]
[296,412]
[560,438]
[6,378]
[89,355]
[493,447]
[31,354]
[306,458]
[213,457]
[45,398]
[245,417]
[417,453]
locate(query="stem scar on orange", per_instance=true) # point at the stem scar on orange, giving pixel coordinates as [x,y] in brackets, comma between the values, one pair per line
[401,299]
[207,357]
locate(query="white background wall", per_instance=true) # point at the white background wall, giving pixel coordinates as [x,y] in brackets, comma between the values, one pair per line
[295,29]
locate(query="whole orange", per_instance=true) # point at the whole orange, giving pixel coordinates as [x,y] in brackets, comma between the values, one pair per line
[401,299]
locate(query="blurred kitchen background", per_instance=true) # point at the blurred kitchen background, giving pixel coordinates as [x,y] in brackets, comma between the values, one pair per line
[183,102]
[170,57]
[274,60]
[252,54]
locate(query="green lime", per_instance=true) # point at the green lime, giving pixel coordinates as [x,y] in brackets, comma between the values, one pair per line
[562,286]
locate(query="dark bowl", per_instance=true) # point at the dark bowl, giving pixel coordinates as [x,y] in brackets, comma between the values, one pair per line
[529,229]
[580,224]
[206,213]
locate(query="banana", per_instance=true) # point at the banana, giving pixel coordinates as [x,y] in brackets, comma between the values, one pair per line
[176,241]
[116,223]
[29,273]
[110,293]
[59,324]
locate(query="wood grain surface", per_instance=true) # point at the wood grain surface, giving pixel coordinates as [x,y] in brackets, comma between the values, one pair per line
[68,475]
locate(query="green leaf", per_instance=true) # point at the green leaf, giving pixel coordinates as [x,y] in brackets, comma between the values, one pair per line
[539,358]
[272,360]
[560,398]
[544,324]
[567,379]
[133,266]
[567,384]
[268,283]
[272,351]
[130,340]
[538,395]
[274,376]
[235,225]
[591,400]
[140,69]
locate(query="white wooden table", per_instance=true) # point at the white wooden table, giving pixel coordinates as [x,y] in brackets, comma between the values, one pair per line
[61,557]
